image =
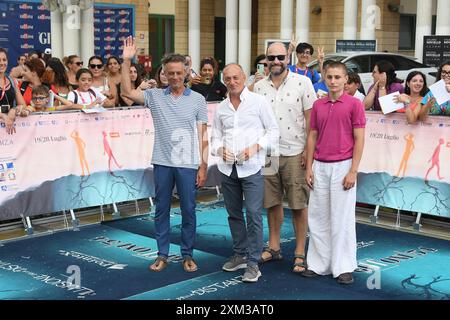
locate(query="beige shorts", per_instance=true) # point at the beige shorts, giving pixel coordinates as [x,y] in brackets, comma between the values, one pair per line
[289,181]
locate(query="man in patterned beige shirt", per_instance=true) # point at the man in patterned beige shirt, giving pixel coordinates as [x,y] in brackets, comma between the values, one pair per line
[291,96]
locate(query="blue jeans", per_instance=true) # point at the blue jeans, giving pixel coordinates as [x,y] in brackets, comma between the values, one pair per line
[165,179]
[247,238]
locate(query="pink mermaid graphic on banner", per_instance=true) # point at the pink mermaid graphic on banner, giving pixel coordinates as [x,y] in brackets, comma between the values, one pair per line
[107,149]
[81,145]
[408,150]
[435,160]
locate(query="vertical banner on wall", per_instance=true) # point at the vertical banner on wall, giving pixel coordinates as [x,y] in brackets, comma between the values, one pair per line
[111,26]
[24,27]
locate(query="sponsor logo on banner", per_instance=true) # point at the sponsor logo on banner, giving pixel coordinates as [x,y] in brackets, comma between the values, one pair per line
[96,20]
[27,46]
[25,6]
[123,21]
[92,259]
[26,16]
[26,36]
[43,17]
[42,8]
[109,38]
[109,30]
[26,27]
[123,12]
[123,30]
[110,47]
[122,38]
[108,20]
[107,12]
[97,29]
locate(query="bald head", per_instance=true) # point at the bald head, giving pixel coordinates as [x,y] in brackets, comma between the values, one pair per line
[277,59]
[234,79]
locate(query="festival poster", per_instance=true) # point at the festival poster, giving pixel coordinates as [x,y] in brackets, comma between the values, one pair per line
[67,161]
[406,166]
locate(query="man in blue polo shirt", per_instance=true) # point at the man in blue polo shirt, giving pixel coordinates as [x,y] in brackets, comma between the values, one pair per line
[180,118]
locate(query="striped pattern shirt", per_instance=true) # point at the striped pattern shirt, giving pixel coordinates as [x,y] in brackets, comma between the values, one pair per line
[175,120]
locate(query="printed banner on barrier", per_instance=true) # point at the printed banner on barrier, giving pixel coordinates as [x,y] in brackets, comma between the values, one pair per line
[406,166]
[66,161]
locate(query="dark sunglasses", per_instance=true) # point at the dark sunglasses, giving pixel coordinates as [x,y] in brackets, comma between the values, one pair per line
[93,66]
[280,57]
[79,63]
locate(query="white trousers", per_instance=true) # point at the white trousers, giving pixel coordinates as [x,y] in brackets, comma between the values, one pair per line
[331,221]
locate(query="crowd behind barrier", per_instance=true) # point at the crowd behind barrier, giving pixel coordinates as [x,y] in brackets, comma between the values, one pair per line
[69,160]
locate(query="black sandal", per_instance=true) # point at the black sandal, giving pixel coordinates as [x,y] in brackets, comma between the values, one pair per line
[274,255]
[299,264]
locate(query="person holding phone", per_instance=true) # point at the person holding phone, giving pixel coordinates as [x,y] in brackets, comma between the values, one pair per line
[262,71]
[206,84]
[10,95]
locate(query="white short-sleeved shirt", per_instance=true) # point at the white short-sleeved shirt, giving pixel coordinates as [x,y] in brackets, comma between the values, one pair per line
[294,96]
[86,97]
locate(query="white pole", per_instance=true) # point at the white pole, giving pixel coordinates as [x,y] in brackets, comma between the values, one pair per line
[231,33]
[87,34]
[423,26]
[56,33]
[442,18]
[194,33]
[302,21]
[350,19]
[245,34]
[286,19]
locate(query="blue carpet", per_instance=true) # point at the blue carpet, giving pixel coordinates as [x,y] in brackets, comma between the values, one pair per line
[113,260]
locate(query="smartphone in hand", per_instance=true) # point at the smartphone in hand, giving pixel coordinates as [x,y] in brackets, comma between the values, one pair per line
[260,68]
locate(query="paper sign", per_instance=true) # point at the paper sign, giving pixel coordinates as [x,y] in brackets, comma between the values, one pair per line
[387,103]
[97,109]
[440,92]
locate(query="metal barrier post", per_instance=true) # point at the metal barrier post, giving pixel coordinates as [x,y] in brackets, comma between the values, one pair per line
[28,227]
[75,221]
[416,225]
[374,217]
[151,204]
[116,213]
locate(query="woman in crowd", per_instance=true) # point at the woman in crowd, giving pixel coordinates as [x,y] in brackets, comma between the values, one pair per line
[73,63]
[136,82]
[258,75]
[207,84]
[113,69]
[161,79]
[385,82]
[101,82]
[56,78]
[10,96]
[33,71]
[429,104]
[415,89]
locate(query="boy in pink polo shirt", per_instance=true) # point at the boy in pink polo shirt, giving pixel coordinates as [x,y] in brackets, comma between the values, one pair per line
[335,145]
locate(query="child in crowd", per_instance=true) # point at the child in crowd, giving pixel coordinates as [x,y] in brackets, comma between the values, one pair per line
[40,101]
[85,96]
